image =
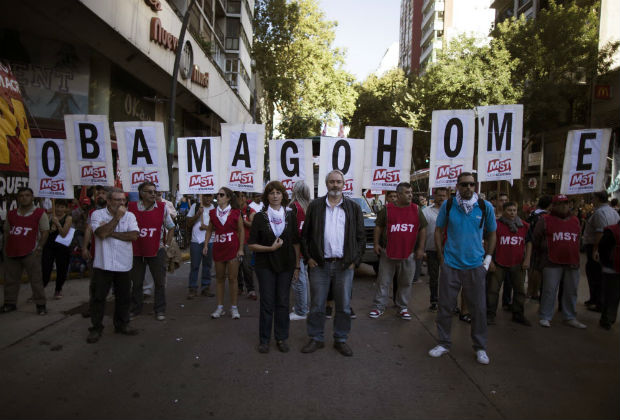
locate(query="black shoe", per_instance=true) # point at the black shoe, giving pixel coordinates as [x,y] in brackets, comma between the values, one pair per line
[282,346]
[605,325]
[206,292]
[520,319]
[343,348]
[41,310]
[328,312]
[456,311]
[595,308]
[312,346]
[263,348]
[126,331]
[490,320]
[93,336]
[465,318]
[506,307]
[433,307]
[588,302]
[86,314]
[6,308]
[353,316]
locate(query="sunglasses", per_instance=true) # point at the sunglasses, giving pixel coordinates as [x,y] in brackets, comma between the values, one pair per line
[221,195]
[467,184]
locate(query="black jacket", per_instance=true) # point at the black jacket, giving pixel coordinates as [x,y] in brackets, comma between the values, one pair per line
[312,235]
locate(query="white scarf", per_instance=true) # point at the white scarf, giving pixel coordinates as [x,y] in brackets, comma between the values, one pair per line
[222,215]
[276,220]
[466,205]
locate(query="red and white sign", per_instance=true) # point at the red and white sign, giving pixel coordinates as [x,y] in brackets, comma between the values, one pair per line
[452,146]
[500,138]
[346,155]
[49,176]
[291,161]
[199,161]
[387,157]
[242,157]
[585,159]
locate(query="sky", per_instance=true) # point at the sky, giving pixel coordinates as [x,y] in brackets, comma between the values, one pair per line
[366,28]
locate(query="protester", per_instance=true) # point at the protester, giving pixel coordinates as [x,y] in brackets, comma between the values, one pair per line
[246,269]
[534,276]
[299,205]
[227,226]
[607,251]
[275,240]
[396,233]
[183,205]
[257,203]
[55,252]
[333,242]
[150,249]
[464,262]
[498,200]
[115,228]
[198,219]
[79,218]
[25,231]
[556,239]
[432,259]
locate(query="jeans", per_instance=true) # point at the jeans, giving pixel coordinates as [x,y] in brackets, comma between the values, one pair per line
[594,275]
[246,271]
[387,268]
[157,267]
[274,291]
[196,258]
[432,262]
[610,297]
[552,277]
[494,283]
[320,279]
[300,290]
[100,286]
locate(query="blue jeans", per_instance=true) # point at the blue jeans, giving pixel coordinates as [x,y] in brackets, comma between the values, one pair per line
[196,257]
[300,290]
[320,279]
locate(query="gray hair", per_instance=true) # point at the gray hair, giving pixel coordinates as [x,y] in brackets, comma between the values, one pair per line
[113,190]
[301,194]
[335,171]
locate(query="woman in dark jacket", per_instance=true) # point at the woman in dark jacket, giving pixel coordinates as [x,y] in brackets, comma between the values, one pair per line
[275,240]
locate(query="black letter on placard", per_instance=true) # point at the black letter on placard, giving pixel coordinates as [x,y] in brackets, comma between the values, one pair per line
[242,155]
[391,148]
[192,155]
[453,122]
[347,156]
[45,158]
[88,137]
[294,161]
[137,153]
[499,134]
[583,151]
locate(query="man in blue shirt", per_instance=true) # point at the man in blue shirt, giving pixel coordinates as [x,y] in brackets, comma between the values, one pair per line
[464,262]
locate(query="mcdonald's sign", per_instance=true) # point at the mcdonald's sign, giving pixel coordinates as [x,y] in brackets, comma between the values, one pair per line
[602,92]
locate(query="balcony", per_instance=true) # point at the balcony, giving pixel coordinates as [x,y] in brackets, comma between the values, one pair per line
[233,7]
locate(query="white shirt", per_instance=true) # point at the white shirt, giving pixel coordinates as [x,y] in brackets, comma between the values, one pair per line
[198,236]
[110,253]
[335,219]
[430,213]
[256,206]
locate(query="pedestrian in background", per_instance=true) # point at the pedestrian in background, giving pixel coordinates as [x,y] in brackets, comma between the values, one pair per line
[607,251]
[56,252]
[198,218]
[432,259]
[299,205]
[246,268]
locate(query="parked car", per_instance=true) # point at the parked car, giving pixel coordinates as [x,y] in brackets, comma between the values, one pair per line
[370,218]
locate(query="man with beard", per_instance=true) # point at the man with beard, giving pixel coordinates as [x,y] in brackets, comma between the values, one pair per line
[333,242]
[556,239]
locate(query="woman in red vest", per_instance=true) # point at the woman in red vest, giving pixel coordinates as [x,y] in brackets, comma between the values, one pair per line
[227,226]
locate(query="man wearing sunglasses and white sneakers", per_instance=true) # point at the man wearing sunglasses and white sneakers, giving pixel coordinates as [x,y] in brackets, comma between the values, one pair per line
[464,262]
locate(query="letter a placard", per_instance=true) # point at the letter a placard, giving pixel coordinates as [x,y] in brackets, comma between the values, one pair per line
[346,155]
[387,157]
[199,164]
[142,154]
[500,138]
[585,159]
[291,161]
[49,176]
[243,157]
[90,149]
[452,146]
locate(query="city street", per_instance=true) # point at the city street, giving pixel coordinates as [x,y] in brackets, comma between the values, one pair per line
[191,366]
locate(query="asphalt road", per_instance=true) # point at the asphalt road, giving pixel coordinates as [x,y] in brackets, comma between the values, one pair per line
[191,366]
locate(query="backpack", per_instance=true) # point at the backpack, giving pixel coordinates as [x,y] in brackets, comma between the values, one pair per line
[481,204]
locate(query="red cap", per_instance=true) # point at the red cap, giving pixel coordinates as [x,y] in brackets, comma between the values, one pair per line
[560,198]
[85,200]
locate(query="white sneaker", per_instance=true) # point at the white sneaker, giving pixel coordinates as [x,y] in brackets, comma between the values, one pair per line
[160,316]
[294,317]
[234,313]
[544,323]
[481,357]
[438,351]
[575,324]
[218,313]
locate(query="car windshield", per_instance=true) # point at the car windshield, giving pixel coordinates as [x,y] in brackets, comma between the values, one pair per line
[363,204]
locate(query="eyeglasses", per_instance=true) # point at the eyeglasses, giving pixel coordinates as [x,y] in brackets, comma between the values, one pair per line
[221,194]
[467,184]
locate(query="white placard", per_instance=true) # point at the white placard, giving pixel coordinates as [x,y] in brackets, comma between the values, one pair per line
[585,160]
[199,160]
[90,149]
[142,154]
[452,146]
[387,157]
[291,161]
[242,155]
[500,142]
[345,155]
[49,176]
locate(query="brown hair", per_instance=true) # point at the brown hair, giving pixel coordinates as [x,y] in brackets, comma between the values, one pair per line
[234,204]
[275,185]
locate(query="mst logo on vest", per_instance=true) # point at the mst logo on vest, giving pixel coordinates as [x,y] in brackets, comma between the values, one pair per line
[511,240]
[224,237]
[386,176]
[448,171]
[19,231]
[52,185]
[201,181]
[564,236]
[402,227]
[242,177]
[499,166]
[147,232]
[94,172]
[582,178]
[140,177]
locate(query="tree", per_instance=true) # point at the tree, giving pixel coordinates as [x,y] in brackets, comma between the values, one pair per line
[301,72]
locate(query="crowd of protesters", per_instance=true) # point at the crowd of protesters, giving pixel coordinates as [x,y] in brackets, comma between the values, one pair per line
[310,248]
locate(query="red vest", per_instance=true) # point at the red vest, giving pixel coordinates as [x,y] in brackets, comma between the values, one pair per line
[246,213]
[510,248]
[562,239]
[402,230]
[226,242]
[149,223]
[301,216]
[23,233]
[615,229]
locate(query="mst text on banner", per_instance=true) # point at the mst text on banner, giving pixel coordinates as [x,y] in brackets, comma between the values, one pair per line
[142,154]
[291,161]
[452,146]
[387,158]
[90,149]
[500,138]
[199,165]
[346,155]
[243,157]
[50,168]
[585,159]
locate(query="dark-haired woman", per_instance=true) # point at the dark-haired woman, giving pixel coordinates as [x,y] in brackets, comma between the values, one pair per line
[275,240]
[227,226]
[53,251]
